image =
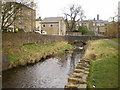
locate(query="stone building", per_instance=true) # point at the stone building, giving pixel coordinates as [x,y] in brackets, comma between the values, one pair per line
[112,29]
[53,26]
[88,24]
[98,26]
[24,18]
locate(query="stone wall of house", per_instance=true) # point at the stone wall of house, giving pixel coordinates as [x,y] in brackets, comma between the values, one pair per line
[112,29]
[54,28]
[51,28]
[25,19]
[62,27]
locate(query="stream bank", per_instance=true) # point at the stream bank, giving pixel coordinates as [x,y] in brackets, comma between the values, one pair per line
[98,68]
[31,53]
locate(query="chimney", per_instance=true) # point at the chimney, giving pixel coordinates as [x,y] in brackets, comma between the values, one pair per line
[97,16]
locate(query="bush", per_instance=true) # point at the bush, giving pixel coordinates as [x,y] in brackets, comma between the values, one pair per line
[85,31]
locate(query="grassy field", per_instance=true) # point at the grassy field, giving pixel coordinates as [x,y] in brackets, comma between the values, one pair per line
[116,40]
[104,64]
[20,55]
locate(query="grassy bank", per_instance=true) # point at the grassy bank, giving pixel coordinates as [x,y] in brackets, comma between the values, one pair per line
[117,40]
[31,53]
[104,64]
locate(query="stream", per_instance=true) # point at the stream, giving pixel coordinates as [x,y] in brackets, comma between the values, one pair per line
[50,73]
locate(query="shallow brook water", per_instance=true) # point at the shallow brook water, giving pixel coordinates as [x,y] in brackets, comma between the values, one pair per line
[51,73]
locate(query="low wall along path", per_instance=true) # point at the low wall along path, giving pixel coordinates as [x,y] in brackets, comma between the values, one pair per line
[9,39]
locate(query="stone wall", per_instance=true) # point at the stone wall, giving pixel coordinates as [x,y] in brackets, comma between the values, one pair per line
[73,33]
[9,39]
[51,28]
[81,38]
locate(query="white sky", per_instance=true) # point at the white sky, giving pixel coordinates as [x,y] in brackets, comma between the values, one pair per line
[53,8]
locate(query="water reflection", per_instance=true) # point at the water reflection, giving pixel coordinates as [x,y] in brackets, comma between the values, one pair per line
[52,73]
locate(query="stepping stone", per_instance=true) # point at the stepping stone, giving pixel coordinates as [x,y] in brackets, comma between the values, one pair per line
[83,65]
[77,80]
[78,70]
[81,86]
[83,81]
[79,67]
[86,72]
[70,86]
[77,75]
[86,69]
[84,77]
[85,61]
[73,80]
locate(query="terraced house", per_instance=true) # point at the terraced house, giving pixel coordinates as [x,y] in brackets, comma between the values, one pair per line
[24,17]
[54,26]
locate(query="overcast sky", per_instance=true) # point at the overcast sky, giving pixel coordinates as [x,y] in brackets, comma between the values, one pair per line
[54,8]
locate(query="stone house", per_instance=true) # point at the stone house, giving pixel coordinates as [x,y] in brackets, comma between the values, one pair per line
[98,26]
[53,26]
[112,29]
[88,24]
[25,18]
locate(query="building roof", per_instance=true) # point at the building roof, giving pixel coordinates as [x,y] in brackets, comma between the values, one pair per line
[52,19]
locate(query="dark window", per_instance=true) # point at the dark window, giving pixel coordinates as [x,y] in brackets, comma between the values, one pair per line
[51,25]
[43,25]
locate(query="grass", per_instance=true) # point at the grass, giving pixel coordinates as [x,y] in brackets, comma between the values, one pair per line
[24,53]
[104,64]
[116,40]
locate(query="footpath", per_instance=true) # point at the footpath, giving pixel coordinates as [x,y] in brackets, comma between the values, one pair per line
[112,42]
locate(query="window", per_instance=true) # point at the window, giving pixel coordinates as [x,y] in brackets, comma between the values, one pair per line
[44,25]
[51,25]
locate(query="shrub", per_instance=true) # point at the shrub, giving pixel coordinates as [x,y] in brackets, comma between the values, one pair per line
[85,31]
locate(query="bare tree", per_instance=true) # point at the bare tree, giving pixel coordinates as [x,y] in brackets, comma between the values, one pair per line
[10,12]
[74,15]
